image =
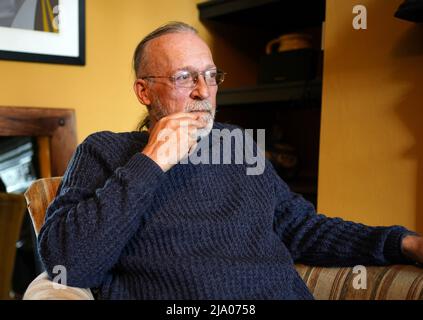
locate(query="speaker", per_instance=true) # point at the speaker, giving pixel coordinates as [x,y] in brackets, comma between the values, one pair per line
[294,65]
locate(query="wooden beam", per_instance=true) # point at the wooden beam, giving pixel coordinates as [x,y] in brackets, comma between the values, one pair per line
[57,124]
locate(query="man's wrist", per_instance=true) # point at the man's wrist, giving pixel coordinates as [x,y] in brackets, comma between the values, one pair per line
[408,243]
[411,245]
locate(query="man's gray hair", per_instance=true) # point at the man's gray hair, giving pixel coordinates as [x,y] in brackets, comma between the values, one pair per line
[170,27]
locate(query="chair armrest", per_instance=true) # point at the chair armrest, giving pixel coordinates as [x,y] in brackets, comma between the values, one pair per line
[394,282]
[41,288]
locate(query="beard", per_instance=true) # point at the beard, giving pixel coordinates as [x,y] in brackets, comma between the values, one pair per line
[158,111]
[208,115]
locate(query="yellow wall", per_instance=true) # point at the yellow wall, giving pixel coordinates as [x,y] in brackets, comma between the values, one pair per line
[371,156]
[100,92]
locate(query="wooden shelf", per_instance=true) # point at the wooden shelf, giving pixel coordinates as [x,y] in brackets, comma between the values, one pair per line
[303,185]
[307,187]
[278,14]
[249,25]
[218,8]
[266,93]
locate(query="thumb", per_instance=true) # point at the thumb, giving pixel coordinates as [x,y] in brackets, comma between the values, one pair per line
[192,149]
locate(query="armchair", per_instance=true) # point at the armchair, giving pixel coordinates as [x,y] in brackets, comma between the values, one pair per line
[395,282]
[38,196]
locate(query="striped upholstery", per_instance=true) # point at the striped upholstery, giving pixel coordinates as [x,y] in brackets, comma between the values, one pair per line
[397,282]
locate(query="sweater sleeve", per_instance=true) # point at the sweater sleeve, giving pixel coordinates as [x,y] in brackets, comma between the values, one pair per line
[315,239]
[97,210]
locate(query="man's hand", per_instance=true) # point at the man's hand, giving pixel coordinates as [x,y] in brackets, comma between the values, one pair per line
[412,247]
[172,137]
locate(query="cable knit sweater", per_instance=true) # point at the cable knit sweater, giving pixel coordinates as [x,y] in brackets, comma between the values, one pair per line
[207,231]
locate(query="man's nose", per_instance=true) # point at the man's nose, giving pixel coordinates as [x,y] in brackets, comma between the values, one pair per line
[201,89]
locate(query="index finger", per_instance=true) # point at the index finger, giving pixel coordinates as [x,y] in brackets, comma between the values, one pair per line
[182,115]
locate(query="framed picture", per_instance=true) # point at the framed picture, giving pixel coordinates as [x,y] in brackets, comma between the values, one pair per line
[51,31]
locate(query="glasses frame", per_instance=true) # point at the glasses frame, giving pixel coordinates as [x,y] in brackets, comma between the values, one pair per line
[195,76]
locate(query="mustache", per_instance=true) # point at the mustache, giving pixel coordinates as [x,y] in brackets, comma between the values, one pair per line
[204,106]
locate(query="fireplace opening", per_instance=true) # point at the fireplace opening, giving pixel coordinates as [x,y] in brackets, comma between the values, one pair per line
[19,167]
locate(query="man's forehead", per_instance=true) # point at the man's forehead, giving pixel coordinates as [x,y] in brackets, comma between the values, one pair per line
[179,50]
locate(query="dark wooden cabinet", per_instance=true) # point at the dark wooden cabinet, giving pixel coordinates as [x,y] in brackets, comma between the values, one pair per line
[289,111]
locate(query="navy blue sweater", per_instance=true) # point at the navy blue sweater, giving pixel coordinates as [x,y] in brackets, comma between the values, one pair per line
[206,231]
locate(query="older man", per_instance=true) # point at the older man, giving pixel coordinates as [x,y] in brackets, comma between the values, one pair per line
[135,224]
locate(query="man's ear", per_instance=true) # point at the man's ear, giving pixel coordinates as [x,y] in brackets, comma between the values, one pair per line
[141,91]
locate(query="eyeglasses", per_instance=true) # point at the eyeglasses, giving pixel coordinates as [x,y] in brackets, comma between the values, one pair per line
[189,79]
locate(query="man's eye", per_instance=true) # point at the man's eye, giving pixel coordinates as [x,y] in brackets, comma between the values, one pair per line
[211,74]
[182,76]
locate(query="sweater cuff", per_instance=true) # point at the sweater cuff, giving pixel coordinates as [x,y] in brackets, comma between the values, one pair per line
[141,170]
[393,246]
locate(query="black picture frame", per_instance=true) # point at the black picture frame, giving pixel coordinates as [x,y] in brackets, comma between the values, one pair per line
[56,59]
